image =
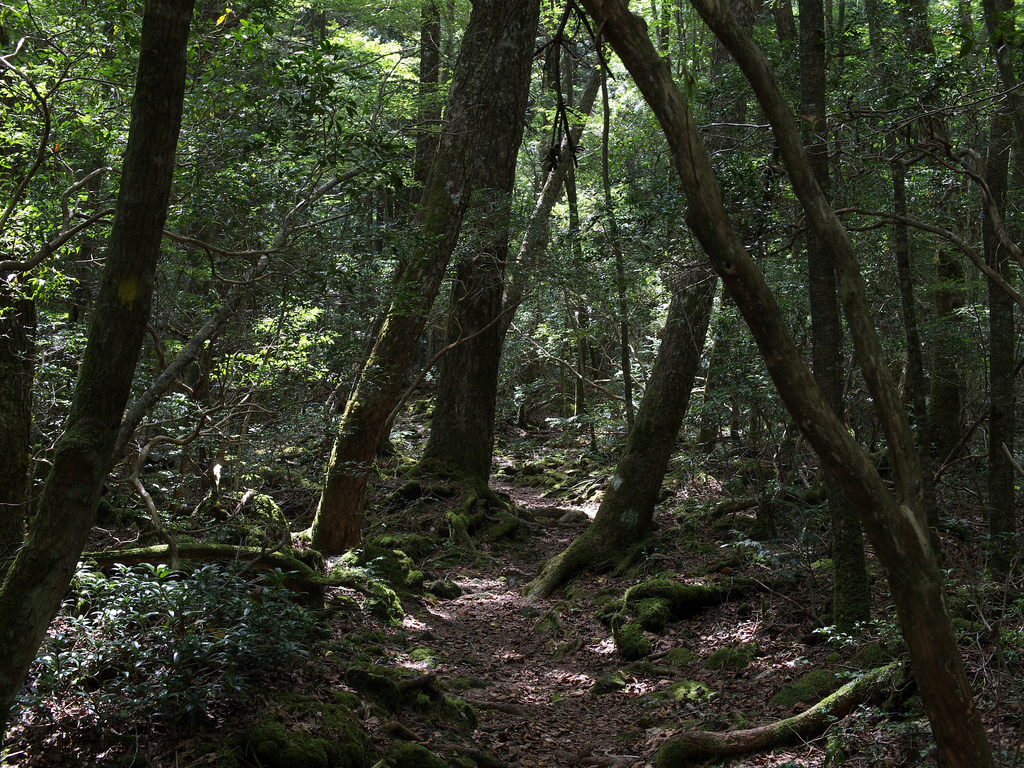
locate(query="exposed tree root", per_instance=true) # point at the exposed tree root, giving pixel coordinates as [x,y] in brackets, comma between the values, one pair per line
[588,552]
[686,749]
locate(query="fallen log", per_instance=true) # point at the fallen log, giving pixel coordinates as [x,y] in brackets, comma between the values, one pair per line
[301,578]
[691,747]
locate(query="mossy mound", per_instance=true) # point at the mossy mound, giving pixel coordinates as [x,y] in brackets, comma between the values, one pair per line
[809,689]
[631,641]
[653,614]
[736,658]
[445,590]
[305,733]
[871,656]
[682,600]
[609,683]
[392,566]
[413,544]
[692,691]
[405,754]
[679,657]
[381,601]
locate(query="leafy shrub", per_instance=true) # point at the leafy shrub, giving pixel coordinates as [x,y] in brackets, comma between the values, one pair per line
[150,641]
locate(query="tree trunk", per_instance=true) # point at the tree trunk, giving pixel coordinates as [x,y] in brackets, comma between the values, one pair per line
[945,406]
[1002,521]
[17,369]
[915,362]
[898,530]
[851,596]
[481,123]
[627,509]
[39,577]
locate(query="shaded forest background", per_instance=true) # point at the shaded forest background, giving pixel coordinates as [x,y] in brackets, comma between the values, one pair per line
[320,201]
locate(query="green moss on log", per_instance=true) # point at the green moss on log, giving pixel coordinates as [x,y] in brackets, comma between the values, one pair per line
[331,737]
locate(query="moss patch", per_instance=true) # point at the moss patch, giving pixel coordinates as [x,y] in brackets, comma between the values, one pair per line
[317,735]
[692,691]
[809,689]
[631,641]
[613,681]
[736,658]
[404,754]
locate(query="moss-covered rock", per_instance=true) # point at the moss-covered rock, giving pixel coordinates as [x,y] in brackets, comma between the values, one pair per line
[683,600]
[445,590]
[504,525]
[391,566]
[379,687]
[692,691]
[679,657]
[329,736]
[809,689]
[405,754]
[425,655]
[736,658]
[609,683]
[414,545]
[631,641]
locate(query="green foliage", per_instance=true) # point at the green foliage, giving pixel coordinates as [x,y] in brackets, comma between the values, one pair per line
[150,641]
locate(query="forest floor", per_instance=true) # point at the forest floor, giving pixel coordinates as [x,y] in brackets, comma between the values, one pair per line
[549,686]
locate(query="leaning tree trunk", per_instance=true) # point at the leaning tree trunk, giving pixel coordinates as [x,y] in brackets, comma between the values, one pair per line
[627,509]
[39,577]
[17,368]
[481,120]
[898,530]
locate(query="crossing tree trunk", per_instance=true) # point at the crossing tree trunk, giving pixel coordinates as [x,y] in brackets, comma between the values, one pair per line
[898,529]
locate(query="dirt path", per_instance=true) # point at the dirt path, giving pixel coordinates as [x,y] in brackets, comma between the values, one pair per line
[538,660]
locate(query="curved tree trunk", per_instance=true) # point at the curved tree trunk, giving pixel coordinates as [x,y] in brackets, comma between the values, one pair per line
[627,509]
[37,581]
[897,529]
[482,123]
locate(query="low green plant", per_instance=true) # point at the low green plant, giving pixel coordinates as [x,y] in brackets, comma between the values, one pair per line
[154,642]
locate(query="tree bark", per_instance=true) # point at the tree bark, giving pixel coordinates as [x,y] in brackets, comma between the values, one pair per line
[37,580]
[627,509]
[17,369]
[851,596]
[481,123]
[1002,519]
[897,529]
[945,406]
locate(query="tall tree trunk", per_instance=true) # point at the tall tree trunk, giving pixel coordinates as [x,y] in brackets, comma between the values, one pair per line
[851,596]
[429,107]
[612,234]
[1002,518]
[945,402]
[627,509]
[917,383]
[897,529]
[482,123]
[17,369]
[39,577]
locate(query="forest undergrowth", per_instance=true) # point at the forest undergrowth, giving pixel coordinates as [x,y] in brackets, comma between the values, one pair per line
[424,650]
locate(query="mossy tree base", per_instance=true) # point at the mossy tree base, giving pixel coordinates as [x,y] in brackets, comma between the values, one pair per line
[697,747]
[589,552]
